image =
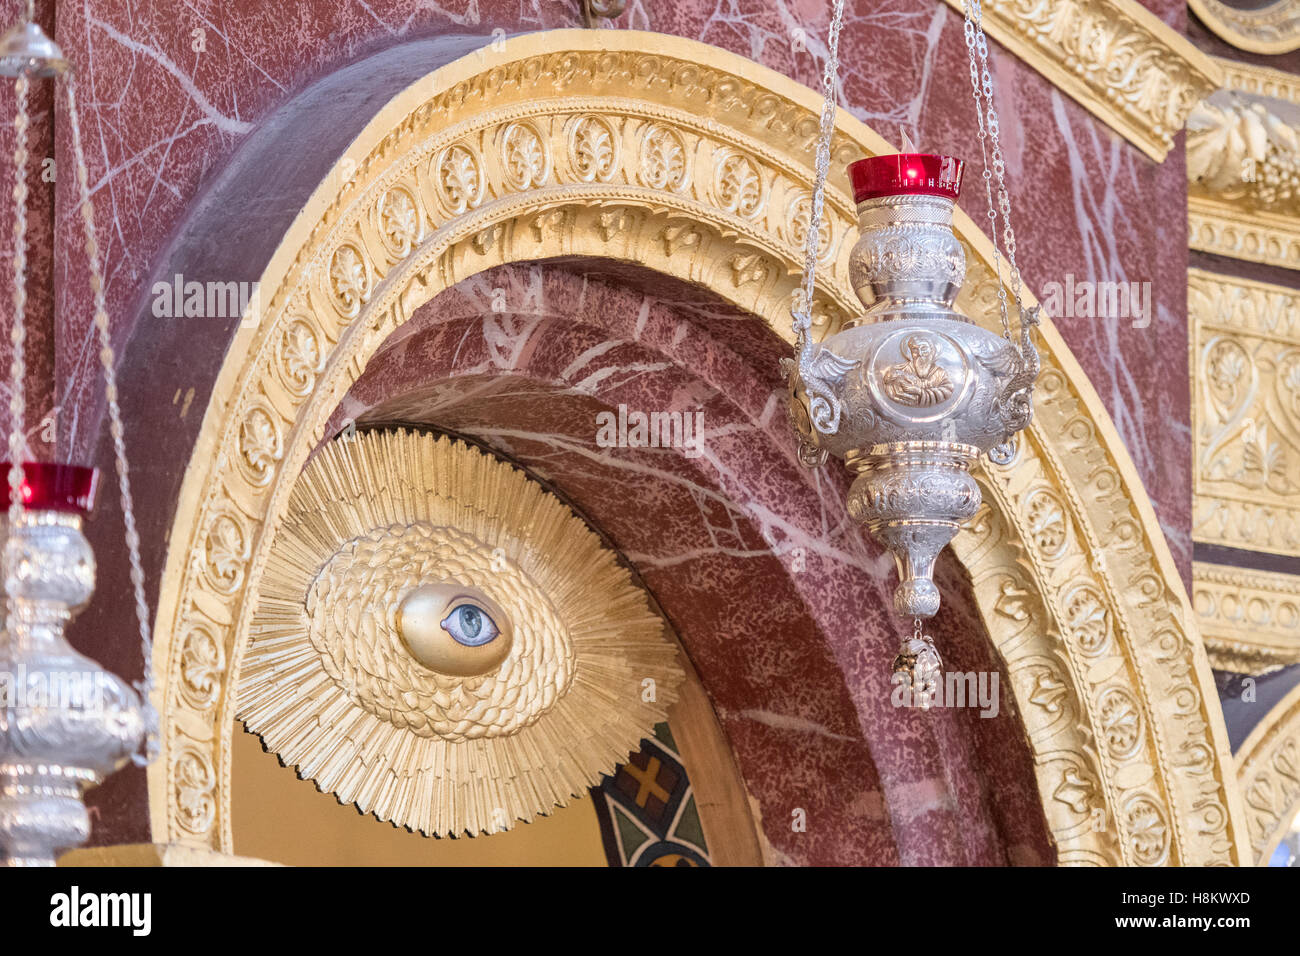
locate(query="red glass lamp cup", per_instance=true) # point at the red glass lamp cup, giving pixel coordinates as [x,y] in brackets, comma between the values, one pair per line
[906,174]
[49,486]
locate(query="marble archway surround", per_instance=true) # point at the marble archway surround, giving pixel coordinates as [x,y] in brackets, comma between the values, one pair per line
[693,162]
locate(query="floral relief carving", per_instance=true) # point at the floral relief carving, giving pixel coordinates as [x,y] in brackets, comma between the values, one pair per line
[1114,57]
[663,159]
[1087,620]
[203,665]
[1047,520]
[1268,772]
[226,551]
[260,444]
[1148,832]
[739,185]
[525,156]
[300,357]
[195,782]
[593,149]
[799,219]
[460,178]
[1121,720]
[399,221]
[1243,167]
[349,279]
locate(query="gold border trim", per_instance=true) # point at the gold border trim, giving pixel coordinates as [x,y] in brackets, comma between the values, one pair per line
[1250,620]
[1217,226]
[1259,80]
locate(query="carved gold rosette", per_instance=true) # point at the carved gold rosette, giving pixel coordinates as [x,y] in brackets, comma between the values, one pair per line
[694,163]
[338,680]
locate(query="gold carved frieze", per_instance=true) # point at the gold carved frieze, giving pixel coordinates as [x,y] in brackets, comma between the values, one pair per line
[1268,772]
[695,163]
[1245,341]
[1250,620]
[1117,59]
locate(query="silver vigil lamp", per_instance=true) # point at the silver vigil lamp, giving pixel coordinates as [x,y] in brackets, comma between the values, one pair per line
[65,722]
[909,394]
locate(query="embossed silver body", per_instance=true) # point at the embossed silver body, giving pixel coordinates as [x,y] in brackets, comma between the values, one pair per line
[912,392]
[65,722]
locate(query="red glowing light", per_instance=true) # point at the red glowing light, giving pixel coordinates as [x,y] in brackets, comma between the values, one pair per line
[906,174]
[49,486]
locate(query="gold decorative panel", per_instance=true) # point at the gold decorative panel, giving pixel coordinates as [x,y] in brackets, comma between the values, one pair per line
[1245,340]
[1117,59]
[1243,167]
[445,644]
[1250,620]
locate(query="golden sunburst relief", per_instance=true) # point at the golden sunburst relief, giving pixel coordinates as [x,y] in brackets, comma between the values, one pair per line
[443,643]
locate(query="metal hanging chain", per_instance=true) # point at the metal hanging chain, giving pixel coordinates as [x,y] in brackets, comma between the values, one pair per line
[812,245]
[18,332]
[987,117]
[107,360]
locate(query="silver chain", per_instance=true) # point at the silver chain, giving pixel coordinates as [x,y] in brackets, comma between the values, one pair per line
[18,332]
[812,246]
[107,360]
[987,117]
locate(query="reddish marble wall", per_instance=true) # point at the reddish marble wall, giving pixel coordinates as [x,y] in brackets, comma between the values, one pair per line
[171,93]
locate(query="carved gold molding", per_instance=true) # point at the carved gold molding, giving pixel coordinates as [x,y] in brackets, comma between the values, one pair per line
[695,163]
[1245,341]
[1273,28]
[1219,227]
[1250,620]
[1259,80]
[1119,61]
[1268,772]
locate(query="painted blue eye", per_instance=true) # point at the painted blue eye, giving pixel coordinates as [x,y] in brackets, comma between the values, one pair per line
[470,626]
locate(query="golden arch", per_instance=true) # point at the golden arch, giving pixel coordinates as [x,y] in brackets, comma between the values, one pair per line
[1268,772]
[695,163]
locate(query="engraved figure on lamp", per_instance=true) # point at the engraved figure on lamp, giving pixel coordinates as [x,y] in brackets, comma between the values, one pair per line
[912,392]
[919,380]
